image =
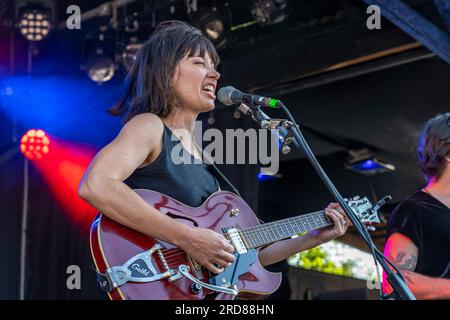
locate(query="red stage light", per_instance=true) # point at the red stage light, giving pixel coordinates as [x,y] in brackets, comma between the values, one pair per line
[62,168]
[34,144]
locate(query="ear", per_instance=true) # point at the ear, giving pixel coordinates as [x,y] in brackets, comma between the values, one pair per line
[176,75]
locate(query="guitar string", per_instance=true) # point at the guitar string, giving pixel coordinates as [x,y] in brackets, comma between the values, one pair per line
[306,218]
[171,254]
[258,230]
[255,232]
[281,223]
[174,255]
[284,225]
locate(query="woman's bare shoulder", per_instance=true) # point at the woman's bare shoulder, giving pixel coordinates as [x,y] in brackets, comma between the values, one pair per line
[145,121]
[144,125]
[138,141]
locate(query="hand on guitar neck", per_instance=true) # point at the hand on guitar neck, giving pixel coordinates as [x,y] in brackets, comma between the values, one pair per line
[340,220]
[283,249]
[211,250]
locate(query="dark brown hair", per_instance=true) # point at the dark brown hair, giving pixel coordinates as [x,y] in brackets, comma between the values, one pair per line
[434,146]
[148,84]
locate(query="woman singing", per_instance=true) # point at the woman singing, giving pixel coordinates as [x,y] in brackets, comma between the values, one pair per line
[174,78]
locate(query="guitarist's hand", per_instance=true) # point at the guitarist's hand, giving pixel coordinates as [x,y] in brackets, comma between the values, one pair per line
[209,248]
[340,220]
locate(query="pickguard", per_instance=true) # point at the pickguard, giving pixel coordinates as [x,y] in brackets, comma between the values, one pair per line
[240,265]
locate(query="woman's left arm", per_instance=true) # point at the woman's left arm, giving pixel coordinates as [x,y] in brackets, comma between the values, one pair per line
[284,249]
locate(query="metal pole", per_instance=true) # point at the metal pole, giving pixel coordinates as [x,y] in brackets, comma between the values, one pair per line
[23,242]
[24,230]
[30,57]
[115,4]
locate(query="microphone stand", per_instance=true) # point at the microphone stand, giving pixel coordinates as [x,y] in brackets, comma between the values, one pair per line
[395,279]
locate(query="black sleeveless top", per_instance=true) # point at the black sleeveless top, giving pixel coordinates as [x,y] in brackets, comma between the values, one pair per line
[189,182]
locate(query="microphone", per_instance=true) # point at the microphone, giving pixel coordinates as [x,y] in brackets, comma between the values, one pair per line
[229,95]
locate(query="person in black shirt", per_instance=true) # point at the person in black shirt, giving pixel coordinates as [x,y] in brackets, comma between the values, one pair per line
[172,81]
[418,231]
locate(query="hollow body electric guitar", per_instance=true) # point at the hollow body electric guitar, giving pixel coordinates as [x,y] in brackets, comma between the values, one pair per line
[131,265]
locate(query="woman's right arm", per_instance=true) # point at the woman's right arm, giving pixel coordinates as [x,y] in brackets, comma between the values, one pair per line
[102,187]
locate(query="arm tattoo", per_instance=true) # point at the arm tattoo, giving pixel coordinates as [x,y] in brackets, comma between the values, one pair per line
[404,261]
[407,276]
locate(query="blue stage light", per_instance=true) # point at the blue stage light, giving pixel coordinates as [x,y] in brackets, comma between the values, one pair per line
[371,166]
[268,177]
[264,177]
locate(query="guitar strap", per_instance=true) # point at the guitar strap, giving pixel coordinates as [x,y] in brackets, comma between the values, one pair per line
[224,183]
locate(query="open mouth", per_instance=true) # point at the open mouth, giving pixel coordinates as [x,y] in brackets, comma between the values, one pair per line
[210,90]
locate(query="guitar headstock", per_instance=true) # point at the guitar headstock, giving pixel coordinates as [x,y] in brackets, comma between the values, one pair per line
[364,210]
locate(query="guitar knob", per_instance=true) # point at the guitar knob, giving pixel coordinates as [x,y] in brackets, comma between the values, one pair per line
[196,288]
[234,212]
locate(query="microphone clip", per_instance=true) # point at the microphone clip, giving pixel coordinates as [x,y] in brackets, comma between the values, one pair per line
[265,122]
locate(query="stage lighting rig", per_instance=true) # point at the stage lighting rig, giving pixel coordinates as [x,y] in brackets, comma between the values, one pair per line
[100,67]
[99,56]
[34,18]
[34,144]
[364,161]
[269,12]
[212,24]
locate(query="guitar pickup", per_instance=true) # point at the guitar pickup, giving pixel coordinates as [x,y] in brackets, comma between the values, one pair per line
[236,240]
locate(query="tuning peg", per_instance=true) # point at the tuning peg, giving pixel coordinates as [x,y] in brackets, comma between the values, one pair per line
[356,198]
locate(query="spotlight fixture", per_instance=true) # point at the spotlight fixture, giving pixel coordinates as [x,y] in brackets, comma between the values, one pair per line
[35,25]
[34,19]
[34,144]
[364,162]
[268,12]
[100,55]
[211,24]
[100,67]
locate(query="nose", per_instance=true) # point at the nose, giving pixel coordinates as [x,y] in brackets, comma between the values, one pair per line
[214,74]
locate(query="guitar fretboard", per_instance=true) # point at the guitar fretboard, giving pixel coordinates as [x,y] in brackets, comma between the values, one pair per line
[267,233]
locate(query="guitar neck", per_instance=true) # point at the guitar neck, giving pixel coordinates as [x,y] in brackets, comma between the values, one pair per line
[268,233]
